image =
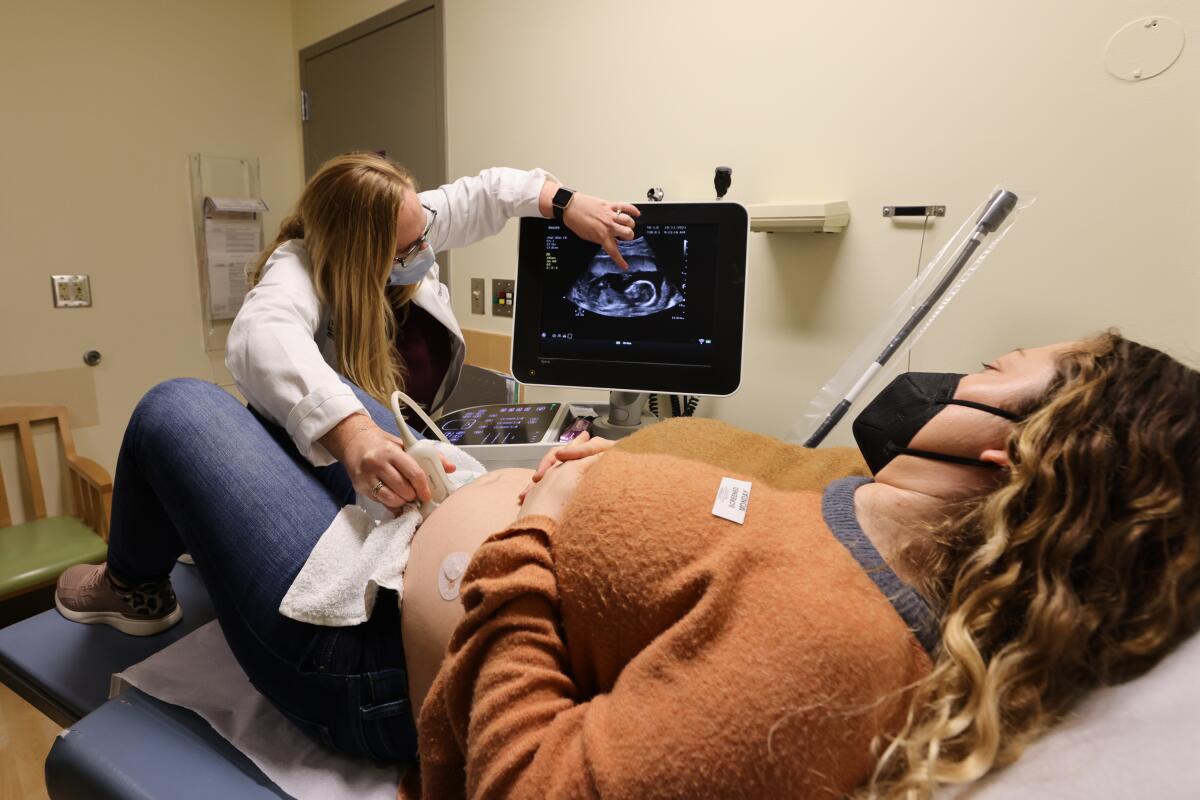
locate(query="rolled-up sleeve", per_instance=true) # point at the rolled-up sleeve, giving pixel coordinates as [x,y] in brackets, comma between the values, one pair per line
[278,367]
[478,206]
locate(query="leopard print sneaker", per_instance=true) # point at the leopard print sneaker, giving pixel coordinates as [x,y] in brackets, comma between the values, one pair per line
[85,594]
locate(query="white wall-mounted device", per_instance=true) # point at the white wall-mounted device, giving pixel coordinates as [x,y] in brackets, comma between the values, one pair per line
[798,218]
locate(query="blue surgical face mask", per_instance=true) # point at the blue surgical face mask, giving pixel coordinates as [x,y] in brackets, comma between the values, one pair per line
[413,270]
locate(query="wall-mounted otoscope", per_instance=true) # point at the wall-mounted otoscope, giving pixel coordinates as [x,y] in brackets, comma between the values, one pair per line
[722,178]
[995,211]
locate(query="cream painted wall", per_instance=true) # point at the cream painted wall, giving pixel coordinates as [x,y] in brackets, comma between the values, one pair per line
[874,103]
[102,104]
[314,20]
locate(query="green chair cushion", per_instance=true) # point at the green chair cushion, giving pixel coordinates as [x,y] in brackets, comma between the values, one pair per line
[37,552]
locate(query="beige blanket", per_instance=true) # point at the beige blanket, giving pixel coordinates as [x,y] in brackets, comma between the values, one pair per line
[787,467]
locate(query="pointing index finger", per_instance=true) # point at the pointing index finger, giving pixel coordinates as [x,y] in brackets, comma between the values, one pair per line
[610,247]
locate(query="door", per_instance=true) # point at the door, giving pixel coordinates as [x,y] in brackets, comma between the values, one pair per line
[379,86]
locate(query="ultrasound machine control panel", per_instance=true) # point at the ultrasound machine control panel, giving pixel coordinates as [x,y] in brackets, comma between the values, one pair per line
[517,434]
[523,423]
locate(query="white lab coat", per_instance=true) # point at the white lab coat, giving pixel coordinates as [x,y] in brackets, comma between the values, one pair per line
[281,351]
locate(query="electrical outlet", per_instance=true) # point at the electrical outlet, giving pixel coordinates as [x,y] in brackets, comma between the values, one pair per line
[503,296]
[71,291]
[477,299]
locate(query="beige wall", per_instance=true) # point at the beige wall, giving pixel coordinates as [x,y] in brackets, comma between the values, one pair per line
[874,103]
[101,104]
[314,20]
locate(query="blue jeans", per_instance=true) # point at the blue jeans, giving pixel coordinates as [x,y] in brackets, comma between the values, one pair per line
[199,472]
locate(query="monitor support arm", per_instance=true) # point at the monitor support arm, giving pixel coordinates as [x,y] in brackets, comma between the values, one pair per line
[624,415]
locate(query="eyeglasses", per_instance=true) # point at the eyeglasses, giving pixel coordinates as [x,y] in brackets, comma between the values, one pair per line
[419,244]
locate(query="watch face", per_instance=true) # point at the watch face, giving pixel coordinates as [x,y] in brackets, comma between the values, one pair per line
[562,197]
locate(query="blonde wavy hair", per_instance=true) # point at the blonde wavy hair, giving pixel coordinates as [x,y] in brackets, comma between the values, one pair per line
[347,216]
[1081,571]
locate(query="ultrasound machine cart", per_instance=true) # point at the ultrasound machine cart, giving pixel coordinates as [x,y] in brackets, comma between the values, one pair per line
[671,324]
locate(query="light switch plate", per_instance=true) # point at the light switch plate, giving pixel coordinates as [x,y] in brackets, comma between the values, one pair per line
[71,291]
[503,296]
[478,306]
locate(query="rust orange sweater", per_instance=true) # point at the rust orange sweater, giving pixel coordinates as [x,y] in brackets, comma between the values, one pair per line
[644,648]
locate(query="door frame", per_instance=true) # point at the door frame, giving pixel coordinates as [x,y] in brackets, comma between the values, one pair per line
[437,77]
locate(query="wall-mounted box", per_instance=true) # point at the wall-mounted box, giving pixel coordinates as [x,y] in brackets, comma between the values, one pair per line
[799,218]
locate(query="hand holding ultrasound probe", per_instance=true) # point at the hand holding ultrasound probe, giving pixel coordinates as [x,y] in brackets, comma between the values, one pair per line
[425,453]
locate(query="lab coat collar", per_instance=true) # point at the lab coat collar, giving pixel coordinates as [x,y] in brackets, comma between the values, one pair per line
[433,296]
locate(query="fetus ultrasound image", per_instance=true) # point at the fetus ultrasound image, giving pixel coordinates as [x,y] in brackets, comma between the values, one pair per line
[606,289]
[661,309]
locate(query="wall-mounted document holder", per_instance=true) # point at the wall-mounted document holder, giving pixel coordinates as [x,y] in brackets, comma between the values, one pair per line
[227,213]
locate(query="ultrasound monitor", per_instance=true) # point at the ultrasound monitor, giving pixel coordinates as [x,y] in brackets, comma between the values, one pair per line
[671,323]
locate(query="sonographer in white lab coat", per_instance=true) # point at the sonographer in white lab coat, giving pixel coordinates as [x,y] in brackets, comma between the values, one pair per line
[351,288]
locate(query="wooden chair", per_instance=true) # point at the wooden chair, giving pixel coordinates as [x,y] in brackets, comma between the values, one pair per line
[34,553]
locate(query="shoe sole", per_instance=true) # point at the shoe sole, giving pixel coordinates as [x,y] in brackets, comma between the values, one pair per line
[114,619]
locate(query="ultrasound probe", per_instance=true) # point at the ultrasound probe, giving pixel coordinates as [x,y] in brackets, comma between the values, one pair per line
[424,452]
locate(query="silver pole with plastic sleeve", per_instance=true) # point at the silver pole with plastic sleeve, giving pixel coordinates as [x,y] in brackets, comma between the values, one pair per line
[995,211]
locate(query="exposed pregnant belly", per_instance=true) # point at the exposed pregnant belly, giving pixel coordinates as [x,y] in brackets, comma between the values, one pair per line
[459,525]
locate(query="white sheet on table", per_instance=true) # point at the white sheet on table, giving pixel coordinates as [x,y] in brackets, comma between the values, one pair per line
[199,672]
[1139,739]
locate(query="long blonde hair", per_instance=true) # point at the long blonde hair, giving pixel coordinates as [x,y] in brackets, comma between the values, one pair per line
[1081,571]
[347,216]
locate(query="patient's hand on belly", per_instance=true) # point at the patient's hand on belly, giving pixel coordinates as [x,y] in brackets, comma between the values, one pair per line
[459,525]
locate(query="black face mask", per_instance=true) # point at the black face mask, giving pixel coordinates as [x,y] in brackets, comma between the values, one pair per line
[889,422]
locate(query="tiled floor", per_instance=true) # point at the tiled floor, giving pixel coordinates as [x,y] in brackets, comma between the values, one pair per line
[25,738]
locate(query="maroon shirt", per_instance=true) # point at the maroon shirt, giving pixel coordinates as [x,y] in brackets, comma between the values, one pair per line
[424,344]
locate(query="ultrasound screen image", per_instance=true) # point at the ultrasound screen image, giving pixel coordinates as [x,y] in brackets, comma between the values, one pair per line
[606,289]
[661,310]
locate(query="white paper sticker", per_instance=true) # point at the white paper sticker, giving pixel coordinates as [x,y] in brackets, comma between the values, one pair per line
[733,496]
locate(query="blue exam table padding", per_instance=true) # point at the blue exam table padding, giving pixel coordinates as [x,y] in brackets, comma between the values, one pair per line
[134,746]
[62,668]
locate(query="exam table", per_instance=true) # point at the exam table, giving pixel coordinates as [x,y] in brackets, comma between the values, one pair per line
[132,745]
[1138,739]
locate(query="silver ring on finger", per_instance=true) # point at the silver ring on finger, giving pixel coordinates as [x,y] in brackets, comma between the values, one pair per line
[619,215]
[375,489]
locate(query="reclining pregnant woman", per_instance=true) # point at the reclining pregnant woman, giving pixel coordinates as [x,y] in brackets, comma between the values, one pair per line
[1031,533]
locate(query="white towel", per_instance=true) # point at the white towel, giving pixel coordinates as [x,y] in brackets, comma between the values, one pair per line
[365,547]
